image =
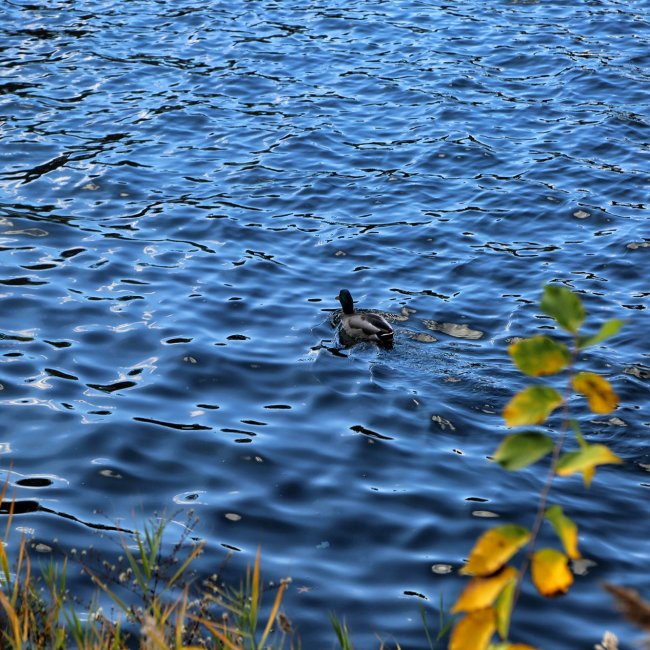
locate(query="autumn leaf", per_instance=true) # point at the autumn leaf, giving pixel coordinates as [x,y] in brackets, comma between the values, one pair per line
[566,529]
[539,356]
[597,390]
[482,592]
[564,306]
[586,460]
[531,406]
[494,548]
[522,449]
[474,631]
[550,572]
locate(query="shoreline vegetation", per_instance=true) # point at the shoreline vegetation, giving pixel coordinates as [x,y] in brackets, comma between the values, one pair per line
[156,599]
[148,595]
[158,602]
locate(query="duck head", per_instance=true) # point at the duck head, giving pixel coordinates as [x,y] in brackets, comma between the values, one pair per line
[347,304]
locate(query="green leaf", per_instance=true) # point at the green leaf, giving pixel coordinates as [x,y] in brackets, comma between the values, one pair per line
[585,461]
[531,406]
[575,425]
[607,329]
[503,607]
[540,355]
[522,449]
[566,529]
[564,306]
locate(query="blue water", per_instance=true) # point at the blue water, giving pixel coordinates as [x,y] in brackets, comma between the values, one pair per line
[184,188]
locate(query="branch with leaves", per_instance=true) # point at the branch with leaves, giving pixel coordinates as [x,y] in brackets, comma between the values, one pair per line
[488,600]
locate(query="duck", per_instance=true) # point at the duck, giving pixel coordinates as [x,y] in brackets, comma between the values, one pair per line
[362,325]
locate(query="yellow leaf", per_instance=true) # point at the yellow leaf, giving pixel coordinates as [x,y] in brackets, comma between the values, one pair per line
[550,572]
[531,406]
[494,548]
[539,355]
[588,474]
[585,460]
[597,390]
[482,592]
[565,529]
[474,631]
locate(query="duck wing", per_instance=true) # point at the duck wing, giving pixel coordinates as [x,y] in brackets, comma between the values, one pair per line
[366,325]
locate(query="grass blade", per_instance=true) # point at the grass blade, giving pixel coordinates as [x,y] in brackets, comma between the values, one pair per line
[255,590]
[342,633]
[274,612]
[213,630]
[423,618]
[13,620]
[190,558]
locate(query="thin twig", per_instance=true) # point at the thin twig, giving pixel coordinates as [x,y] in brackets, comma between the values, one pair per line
[548,483]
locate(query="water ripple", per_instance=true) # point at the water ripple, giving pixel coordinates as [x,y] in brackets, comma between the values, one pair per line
[184,190]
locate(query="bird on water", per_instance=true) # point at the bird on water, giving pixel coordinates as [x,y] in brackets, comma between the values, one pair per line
[363,325]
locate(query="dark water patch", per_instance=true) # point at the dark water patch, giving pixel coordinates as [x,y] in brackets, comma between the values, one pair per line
[34,481]
[357,428]
[174,425]
[112,388]
[18,507]
[88,524]
[40,267]
[15,337]
[230,547]
[247,433]
[415,594]
[22,281]
[71,252]
[60,374]
[58,344]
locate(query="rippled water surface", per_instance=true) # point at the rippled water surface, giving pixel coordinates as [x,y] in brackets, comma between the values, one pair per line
[184,188]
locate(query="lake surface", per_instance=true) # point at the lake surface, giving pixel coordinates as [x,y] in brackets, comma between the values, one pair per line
[184,188]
